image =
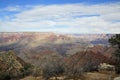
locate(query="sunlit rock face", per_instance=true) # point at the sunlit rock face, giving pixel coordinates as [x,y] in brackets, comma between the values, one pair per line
[9,38]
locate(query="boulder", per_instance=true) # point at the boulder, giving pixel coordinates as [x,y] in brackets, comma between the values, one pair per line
[116,78]
[106,67]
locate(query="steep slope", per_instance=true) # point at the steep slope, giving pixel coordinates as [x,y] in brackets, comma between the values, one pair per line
[11,66]
[87,60]
[10,60]
[104,50]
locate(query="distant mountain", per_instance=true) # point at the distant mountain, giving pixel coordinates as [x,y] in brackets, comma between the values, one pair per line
[93,36]
[31,46]
[10,38]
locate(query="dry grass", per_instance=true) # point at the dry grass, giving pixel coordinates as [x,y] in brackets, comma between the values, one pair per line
[84,76]
[98,76]
[33,78]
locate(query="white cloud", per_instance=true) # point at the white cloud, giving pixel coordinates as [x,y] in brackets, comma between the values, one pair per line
[67,18]
[11,8]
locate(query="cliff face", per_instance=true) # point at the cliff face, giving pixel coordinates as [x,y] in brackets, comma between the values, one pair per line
[30,46]
[11,41]
[87,60]
[93,36]
[9,38]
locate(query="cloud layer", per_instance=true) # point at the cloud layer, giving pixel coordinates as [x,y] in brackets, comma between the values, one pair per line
[66,18]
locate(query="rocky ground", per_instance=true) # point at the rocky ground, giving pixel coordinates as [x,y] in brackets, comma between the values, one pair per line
[84,76]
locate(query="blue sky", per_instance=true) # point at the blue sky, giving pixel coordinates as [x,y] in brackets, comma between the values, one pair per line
[60,16]
[5,3]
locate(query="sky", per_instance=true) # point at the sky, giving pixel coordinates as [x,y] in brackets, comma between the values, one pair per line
[60,16]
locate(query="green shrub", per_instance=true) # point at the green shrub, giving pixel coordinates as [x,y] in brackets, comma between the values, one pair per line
[5,77]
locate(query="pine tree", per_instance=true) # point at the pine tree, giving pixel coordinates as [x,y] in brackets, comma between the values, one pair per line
[115,42]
